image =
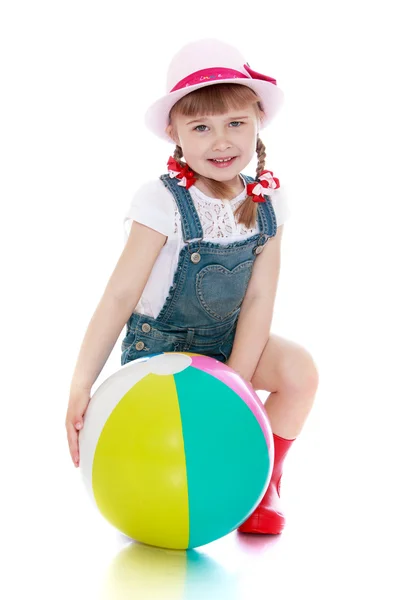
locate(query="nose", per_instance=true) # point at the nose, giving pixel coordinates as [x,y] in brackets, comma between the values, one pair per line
[221,142]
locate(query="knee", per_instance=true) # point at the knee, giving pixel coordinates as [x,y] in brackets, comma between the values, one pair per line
[301,372]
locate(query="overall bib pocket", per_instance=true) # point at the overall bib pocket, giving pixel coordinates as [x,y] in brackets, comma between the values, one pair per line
[211,280]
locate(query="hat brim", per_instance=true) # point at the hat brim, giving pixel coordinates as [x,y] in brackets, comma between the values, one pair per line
[156,116]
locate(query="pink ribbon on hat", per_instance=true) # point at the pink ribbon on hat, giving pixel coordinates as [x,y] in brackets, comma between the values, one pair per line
[219,73]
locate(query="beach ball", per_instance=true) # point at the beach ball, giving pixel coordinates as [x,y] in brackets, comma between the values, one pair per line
[176,450]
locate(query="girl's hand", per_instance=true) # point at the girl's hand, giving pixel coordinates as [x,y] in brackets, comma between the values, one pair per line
[79,399]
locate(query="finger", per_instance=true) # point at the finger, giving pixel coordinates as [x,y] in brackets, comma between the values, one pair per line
[73,450]
[79,416]
[77,421]
[72,436]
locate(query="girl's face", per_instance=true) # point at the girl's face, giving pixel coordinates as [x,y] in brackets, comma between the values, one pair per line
[231,135]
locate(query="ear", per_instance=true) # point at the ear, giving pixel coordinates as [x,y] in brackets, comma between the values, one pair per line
[171,133]
[260,113]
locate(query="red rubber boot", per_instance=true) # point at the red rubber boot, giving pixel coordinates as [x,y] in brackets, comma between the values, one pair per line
[267,517]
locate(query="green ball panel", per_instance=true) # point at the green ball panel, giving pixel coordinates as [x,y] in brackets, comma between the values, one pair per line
[227,458]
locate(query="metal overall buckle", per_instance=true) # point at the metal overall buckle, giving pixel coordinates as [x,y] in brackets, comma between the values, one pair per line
[195,257]
[261,243]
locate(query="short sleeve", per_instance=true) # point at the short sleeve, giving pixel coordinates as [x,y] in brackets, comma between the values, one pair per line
[280,205]
[153,206]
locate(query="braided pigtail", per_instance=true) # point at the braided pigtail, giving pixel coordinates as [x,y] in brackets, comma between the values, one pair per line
[247,211]
[177,155]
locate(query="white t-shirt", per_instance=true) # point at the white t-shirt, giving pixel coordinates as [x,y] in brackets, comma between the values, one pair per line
[154,205]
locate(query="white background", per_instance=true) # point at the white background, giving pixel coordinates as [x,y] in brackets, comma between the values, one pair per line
[76,78]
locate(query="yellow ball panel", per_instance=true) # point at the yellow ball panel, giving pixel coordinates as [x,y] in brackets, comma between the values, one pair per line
[139,473]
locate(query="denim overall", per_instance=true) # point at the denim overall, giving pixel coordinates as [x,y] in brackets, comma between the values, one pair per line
[201,311]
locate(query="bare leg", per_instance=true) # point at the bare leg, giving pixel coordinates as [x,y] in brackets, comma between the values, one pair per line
[288,410]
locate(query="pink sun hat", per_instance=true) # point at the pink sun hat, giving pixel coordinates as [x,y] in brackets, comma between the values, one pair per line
[208,62]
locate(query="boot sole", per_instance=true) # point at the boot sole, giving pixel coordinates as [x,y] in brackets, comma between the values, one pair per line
[260,532]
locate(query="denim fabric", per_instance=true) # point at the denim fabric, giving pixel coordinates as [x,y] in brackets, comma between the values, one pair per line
[201,311]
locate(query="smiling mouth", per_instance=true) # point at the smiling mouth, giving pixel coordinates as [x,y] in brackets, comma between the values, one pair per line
[222,158]
[224,162]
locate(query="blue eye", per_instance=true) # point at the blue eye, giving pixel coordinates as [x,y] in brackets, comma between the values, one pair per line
[196,128]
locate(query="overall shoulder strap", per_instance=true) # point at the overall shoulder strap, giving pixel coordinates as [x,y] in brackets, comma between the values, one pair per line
[191,225]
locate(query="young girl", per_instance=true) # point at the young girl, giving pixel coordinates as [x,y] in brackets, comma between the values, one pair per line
[200,266]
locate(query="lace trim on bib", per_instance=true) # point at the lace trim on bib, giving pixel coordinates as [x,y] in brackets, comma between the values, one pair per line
[217,217]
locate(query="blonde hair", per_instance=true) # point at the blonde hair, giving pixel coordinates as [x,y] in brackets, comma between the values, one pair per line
[215,100]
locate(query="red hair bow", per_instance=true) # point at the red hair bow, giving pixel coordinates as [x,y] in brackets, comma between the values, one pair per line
[264,182]
[185,174]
